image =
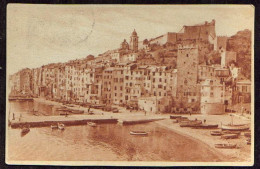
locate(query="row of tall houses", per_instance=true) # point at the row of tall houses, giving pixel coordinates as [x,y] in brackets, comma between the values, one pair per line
[115,77]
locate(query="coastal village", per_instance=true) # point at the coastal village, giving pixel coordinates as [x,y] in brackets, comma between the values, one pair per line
[190,71]
[199,79]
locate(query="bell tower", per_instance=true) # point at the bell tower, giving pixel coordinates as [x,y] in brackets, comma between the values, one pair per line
[134,42]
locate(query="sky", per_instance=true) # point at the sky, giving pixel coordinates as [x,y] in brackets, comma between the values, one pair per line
[41,34]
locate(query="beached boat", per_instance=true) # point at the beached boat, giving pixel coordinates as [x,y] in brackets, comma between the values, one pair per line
[215,133]
[228,146]
[54,127]
[25,130]
[247,134]
[62,109]
[229,136]
[248,141]
[175,121]
[138,133]
[174,117]
[190,123]
[61,126]
[231,132]
[205,126]
[64,114]
[239,127]
[92,124]
[77,111]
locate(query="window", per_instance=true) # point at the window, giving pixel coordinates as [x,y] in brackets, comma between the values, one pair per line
[187,55]
[211,94]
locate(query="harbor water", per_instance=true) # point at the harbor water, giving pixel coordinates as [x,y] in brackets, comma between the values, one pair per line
[106,142]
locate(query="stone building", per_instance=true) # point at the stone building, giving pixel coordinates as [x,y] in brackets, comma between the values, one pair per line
[212,97]
[187,74]
[134,42]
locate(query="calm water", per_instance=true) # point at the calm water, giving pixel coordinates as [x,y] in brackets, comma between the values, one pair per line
[105,142]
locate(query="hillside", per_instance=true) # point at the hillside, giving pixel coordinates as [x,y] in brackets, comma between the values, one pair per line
[241,44]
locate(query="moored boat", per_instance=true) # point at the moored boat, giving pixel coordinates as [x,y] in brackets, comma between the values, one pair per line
[92,124]
[215,133]
[190,123]
[248,141]
[239,127]
[77,111]
[61,126]
[174,117]
[231,132]
[25,130]
[138,133]
[205,126]
[247,134]
[228,146]
[229,136]
[53,126]
[175,121]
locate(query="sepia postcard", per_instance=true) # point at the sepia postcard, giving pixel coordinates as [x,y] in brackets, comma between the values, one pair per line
[130,85]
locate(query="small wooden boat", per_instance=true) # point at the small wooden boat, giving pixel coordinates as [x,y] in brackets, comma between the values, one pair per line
[175,121]
[248,141]
[229,136]
[77,111]
[138,133]
[54,127]
[25,130]
[205,126]
[247,134]
[190,123]
[64,114]
[61,126]
[215,133]
[174,117]
[239,127]
[92,124]
[227,146]
[62,109]
[231,132]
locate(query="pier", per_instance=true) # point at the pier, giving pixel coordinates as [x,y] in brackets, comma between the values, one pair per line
[44,121]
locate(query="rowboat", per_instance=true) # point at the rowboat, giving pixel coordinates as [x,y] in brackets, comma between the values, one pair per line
[239,127]
[190,123]
[216,133]
[248,141]
[77,111]
[138,133]
[175,121]
[205,126]
[229,136]
[25,130]
[247,134]
[174,117]
[61,126]
[64,114]
[228,146]
[92,124]
[231,132]
[54,127]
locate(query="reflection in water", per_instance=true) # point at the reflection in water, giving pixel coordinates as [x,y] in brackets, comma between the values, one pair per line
[104,142]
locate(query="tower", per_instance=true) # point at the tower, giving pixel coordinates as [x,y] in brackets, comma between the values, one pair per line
[134,41]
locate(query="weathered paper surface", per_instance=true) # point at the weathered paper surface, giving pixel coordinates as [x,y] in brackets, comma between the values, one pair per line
[73,64]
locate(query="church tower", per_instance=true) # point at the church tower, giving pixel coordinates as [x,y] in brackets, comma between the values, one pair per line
[134,42]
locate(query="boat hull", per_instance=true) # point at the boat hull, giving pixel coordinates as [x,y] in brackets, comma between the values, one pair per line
[226,146]
[138,133]
[235,127]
